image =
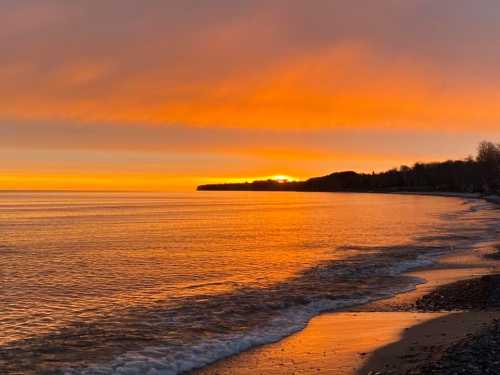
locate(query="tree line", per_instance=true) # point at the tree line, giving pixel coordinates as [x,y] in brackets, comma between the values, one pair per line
[480,174]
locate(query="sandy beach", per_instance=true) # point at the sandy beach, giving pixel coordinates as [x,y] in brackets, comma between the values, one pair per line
[399,335]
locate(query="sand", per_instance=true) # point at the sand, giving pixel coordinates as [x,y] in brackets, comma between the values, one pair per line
[331,344]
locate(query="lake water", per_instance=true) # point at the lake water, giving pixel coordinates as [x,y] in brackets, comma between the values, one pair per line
[143,283]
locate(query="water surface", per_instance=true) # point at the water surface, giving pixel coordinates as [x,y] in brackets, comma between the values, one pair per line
[101,283]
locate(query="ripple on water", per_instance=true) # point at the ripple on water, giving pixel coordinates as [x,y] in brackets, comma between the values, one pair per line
[147,292]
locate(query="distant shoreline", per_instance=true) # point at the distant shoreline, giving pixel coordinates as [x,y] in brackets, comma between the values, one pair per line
[450,194]
[489,198]
[479,175]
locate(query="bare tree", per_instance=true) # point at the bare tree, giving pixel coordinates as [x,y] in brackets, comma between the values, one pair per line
[488,158]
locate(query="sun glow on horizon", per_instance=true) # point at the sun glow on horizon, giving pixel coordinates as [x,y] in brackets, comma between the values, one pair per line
[282,178]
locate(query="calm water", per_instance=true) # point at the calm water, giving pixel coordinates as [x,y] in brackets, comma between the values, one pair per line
[136,283]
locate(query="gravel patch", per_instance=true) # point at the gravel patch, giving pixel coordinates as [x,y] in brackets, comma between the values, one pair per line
[474,354]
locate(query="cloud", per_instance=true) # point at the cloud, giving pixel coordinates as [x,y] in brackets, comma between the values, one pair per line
[282,64]
[266,144]
[186,90]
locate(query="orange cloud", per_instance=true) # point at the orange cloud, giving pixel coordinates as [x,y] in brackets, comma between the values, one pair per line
[136,94]
[346,87]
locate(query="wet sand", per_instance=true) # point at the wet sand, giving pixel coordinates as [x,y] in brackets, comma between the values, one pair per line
[331,344]
[382,336]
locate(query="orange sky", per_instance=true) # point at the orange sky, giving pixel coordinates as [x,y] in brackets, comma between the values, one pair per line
[165,95]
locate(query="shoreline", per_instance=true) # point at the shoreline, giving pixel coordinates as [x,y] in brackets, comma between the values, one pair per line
[491,198]
[428,273]
[430,347]
[62,349]
[495,199]
[389,330]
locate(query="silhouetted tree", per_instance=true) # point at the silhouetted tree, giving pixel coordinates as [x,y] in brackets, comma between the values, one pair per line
[488,158]
[481,174]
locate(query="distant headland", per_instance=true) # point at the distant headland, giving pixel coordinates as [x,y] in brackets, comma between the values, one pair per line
[471,175]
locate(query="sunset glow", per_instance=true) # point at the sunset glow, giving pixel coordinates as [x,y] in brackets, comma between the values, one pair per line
[103,97]
[282,178]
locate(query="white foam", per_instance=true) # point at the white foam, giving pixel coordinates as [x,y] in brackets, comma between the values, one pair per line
[162,360]
[165,360]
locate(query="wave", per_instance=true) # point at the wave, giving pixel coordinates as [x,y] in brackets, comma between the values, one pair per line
[195,331]
[166,360]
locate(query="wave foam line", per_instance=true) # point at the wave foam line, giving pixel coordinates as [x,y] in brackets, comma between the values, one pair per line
[163,360]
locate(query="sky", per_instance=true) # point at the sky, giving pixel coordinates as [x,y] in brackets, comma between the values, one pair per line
[169,94]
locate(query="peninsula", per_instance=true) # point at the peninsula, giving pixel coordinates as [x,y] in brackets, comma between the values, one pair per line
[471,175]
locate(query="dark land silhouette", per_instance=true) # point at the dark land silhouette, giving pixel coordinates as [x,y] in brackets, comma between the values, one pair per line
[471,175]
